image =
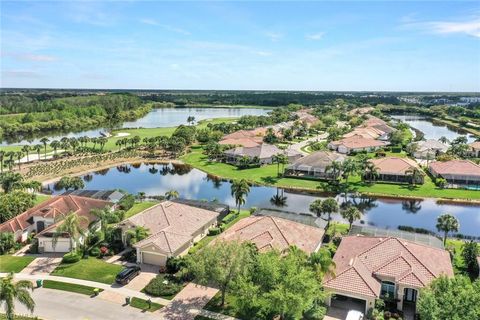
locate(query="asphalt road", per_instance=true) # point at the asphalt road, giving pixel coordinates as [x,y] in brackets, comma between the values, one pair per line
[63,305]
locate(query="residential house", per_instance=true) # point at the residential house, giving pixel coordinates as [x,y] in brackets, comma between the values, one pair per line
[475,149]
[174,226]
[368,133]
[361,111]
[457,172]
[263,152]
[245,138]
[44,218]
[394,169]
[113,196]
[429,149]
[356,143]
[306,117]
[268,233]
[368,268]
[315,165]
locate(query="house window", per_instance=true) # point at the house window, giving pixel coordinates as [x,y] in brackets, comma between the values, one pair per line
[388,289]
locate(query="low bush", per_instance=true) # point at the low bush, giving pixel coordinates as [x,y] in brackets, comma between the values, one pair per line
[163,286]
[214,231]
[71,257]
[230,217]
[95,252]
[174,264]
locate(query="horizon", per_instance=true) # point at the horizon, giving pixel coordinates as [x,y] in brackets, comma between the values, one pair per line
[405,47]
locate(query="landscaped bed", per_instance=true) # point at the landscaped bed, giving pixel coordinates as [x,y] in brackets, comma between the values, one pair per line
[164,286]
[89,269]
[143,304]
[72,287]
[14,264]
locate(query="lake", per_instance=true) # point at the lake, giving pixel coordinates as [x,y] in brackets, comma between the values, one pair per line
[157,118]
[156,179]
[431,130]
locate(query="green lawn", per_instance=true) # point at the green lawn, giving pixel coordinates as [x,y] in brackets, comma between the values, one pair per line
[337,227]
[39,198]
[228,308]
[458,262]
[143,305]
[14,264]
[92,269]
[139,207]
[77,288]
[267,175]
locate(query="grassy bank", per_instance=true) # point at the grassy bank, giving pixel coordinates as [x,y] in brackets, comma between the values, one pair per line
[139,207]
[89,269]
[267,175]
[143,305]
[71,287]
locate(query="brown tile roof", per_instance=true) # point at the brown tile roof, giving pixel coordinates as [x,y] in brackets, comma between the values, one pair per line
[456,167]
[171,224]
[361,261]
[358,142]
[268,232]
[318,160]
[394,165]
[53,207]
[240,134]
[245,142]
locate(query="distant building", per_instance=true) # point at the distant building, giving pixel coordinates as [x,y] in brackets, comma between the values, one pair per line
[429,149]
[263,152]
[475,149]
[113,196]
[245,138]
[315,165]
[393,169]
[457,172]
[356,143]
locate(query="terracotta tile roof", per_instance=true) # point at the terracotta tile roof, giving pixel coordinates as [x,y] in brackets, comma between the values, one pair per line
[366,132]
[358,142]
[245,142]
[240,134]
[456,167]
[171,224]
[53,207]
[268,232]
[371,258]
[394,165]
[318,160]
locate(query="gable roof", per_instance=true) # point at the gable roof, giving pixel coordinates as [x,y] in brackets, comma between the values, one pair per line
[319,159]
[394,165]
[171,224]
[371,258]
[51,208]
[245,142]
[431,144]
[358,142]
[268,232]
[456,167]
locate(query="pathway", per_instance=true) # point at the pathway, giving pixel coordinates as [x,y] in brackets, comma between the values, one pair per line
[299,145]
[43,265]
[188,303]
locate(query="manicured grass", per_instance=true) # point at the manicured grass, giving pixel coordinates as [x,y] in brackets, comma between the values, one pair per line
[39,198]
[14,264]
[337,227]
[456,246]
[92,269]
[228,308]
[143,305]
[268,175]
[72,287]
[139,207]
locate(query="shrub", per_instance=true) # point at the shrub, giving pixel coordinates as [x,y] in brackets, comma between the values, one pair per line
[95,252]
[71,257]
[229,217]
[174,264]
[127,202]
[214,231]
[156,287]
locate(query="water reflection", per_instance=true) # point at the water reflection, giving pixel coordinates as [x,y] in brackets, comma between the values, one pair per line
[156,179]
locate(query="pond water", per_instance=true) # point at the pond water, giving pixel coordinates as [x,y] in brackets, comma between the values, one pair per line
[156,179]
[430,129]
[157,118]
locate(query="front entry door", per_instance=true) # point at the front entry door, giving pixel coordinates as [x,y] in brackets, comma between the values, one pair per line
[410,295]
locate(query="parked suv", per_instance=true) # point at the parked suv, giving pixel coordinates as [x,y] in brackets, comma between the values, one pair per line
[127,274]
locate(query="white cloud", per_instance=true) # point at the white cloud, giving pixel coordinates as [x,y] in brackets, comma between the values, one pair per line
[35,57]
[274,36]
[153,22]
[315,36]
[469,27]
[20,74]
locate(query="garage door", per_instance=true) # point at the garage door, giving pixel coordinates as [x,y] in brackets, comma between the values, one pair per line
[153,258]
[348,303]
[61,246]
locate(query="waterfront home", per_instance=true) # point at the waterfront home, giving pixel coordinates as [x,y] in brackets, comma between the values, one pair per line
[368,133]
[245,138]
[264,153]
[474,149]
[356,143]
[267,233]
[315,165]
[173,227]
[429,149]
[43,219]
[398,170]
[368,268]
[457,172]
[113,196]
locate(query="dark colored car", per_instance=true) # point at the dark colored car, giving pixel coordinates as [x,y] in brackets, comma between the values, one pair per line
[127,274]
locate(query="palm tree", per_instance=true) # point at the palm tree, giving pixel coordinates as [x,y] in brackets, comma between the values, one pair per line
[70,224]
[280,159]
[316,207]
[2,156]
[10,181]
[349,167]
[371,172]
[323,263]
[38,148]
[171,194]
[239,191]
[104,216]
[329,206]
[19,155]
[18,290]
[44,140]
[26,149]
[102,141]
[447,223]
[335,168]
[119,144]
[54,144]
[414,173]
[443,139]
[135,235]
[351,214]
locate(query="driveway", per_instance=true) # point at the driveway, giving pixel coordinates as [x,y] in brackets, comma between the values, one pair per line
[188,303]
[43,265]
[336,314]
[298,146]
[140,281]
[61,305]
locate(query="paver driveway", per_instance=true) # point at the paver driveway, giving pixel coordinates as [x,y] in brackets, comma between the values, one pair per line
[43,265]
[140,281]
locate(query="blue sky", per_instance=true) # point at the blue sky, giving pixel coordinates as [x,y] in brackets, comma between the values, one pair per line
[384,46]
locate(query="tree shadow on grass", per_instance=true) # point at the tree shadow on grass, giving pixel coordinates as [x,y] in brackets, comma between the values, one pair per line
[270,180]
